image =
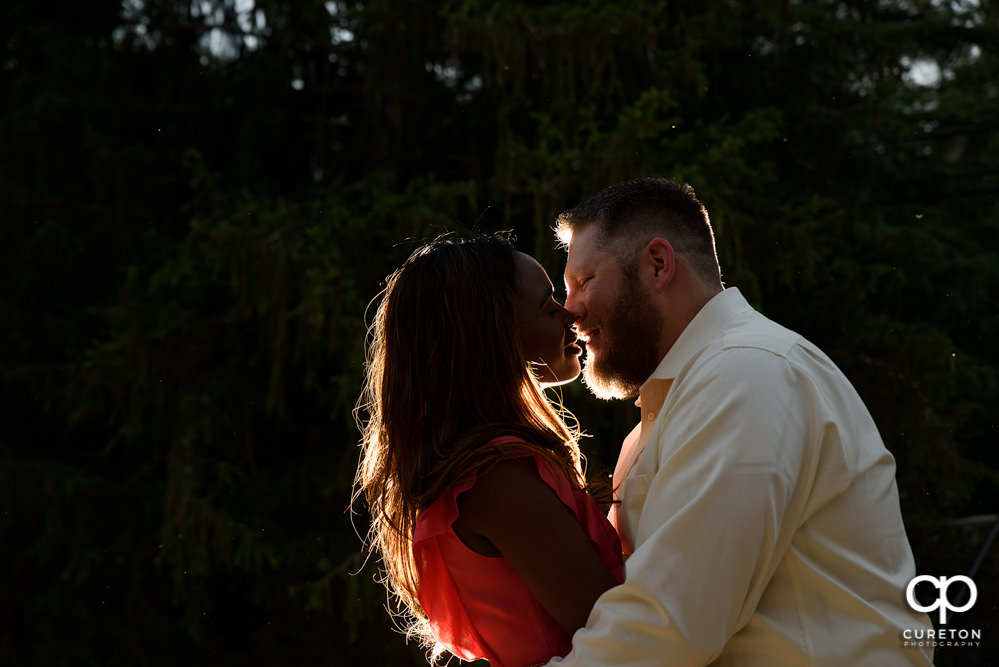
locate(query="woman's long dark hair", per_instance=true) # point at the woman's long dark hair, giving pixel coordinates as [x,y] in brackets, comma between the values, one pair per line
[445,374]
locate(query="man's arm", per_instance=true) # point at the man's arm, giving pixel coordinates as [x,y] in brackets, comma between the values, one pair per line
[711,522]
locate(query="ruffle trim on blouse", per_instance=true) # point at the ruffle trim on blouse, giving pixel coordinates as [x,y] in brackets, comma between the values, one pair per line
[441,515]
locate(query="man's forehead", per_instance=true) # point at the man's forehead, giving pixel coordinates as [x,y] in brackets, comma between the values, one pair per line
[584,249]
[583,240]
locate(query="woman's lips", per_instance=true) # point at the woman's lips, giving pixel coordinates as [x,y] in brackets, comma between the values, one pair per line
[573,347]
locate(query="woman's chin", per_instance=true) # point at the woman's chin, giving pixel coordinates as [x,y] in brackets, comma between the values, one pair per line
[564,377]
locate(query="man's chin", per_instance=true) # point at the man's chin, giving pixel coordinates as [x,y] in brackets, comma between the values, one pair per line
[607,386]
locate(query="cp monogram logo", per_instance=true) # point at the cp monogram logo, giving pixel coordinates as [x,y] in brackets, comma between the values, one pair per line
[943,602]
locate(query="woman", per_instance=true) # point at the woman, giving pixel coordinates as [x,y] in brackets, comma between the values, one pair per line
[474,482]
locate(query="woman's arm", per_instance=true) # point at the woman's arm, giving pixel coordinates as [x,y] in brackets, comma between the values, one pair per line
[512,512]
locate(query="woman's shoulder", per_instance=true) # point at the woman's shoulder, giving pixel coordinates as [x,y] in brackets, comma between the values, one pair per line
[519,465]
[508,485]
[513,471]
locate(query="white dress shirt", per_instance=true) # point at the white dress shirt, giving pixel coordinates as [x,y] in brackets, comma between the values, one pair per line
[760,509]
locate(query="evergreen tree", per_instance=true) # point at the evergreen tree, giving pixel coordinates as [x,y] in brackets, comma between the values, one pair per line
[201,199]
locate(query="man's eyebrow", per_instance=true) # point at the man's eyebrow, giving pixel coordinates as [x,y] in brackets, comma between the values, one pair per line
[549,294]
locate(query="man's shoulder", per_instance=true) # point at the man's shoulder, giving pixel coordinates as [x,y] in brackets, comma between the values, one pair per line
[751,329]
[755,345]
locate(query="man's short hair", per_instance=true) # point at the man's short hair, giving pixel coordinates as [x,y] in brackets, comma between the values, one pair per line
[630,214]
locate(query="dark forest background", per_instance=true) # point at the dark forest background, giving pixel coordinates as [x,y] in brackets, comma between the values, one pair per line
[199,199]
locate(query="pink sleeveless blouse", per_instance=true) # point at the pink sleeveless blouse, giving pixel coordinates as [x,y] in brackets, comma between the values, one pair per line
[477,605]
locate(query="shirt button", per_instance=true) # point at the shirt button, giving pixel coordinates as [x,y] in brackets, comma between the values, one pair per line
[650,416]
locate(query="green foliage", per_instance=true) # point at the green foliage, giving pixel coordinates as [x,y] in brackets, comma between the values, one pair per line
[201,200]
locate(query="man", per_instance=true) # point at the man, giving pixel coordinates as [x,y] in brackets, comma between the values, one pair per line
[758,503]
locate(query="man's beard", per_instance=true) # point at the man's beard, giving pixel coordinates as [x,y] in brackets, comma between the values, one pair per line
[629,350]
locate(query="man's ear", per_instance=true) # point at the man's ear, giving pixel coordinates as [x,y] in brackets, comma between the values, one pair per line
[661,263]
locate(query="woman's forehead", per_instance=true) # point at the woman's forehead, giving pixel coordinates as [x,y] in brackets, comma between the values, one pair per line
[530,274]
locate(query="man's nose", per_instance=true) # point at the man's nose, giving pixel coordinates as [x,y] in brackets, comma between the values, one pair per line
[574,304]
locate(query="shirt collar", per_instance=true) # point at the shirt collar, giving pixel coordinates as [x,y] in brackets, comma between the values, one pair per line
[708,321]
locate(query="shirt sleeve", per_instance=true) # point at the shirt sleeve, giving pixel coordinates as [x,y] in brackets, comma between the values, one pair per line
[712,522]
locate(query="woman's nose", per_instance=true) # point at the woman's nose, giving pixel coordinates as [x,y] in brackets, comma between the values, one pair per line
[567,317]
